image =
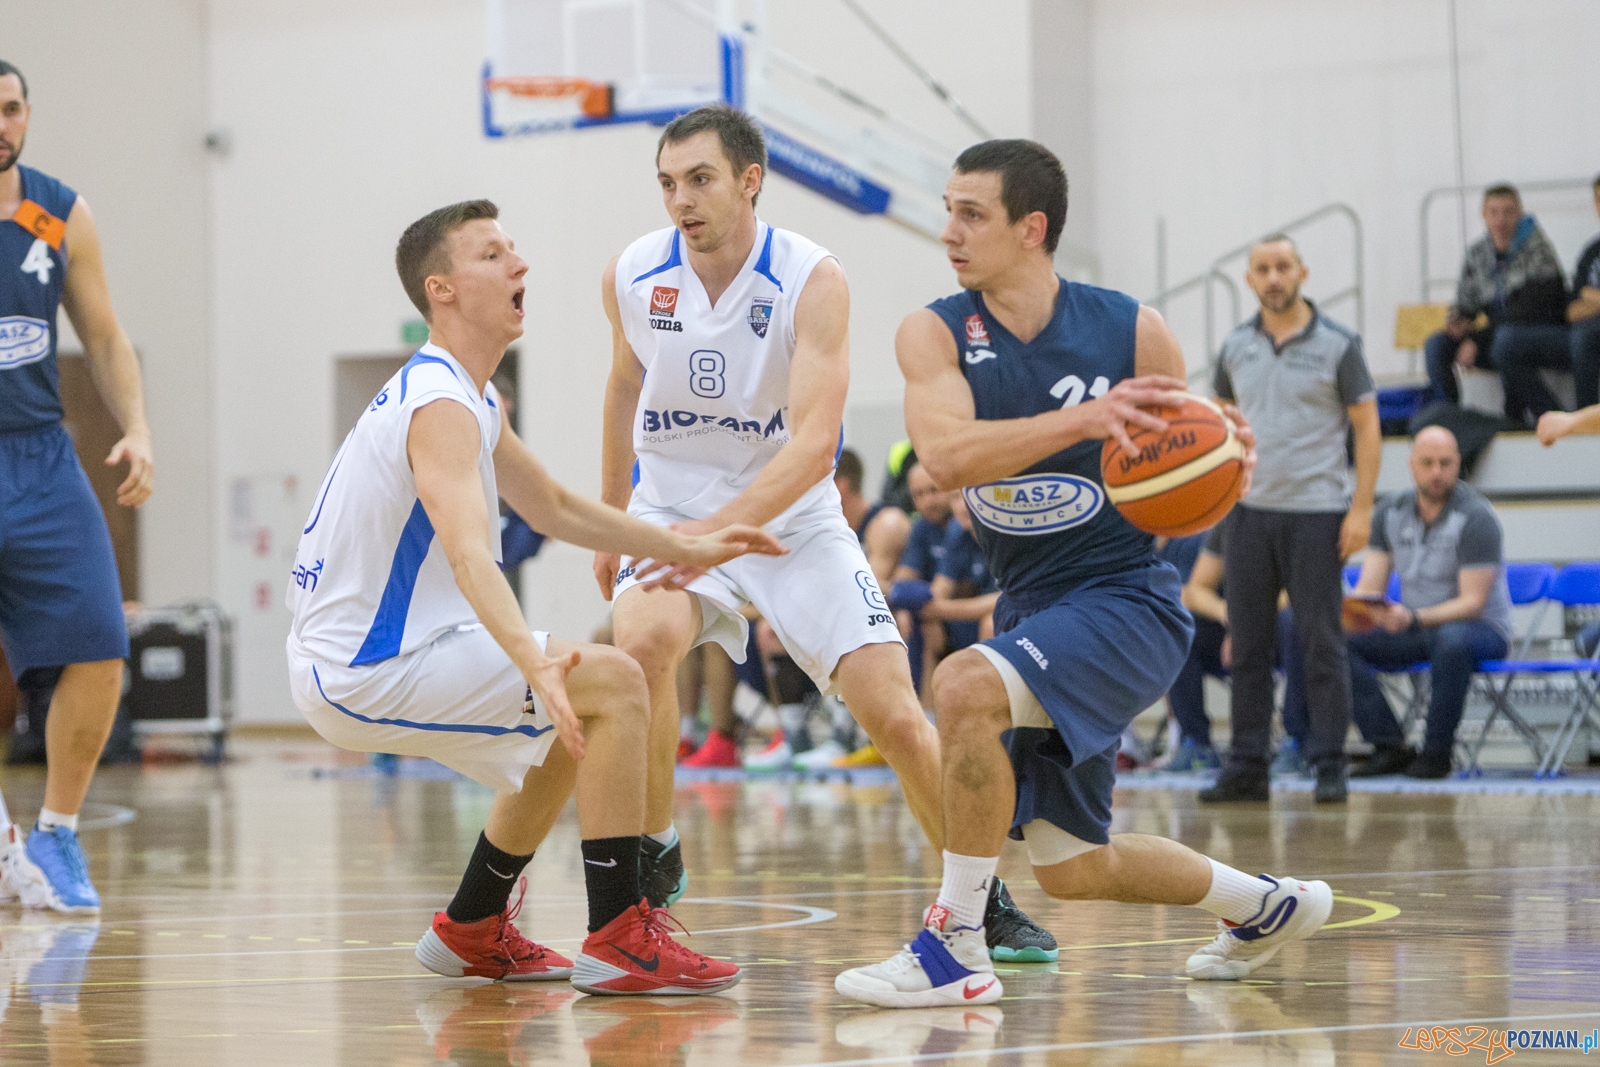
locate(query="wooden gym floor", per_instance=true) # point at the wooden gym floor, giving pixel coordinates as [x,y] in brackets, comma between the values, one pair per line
[264,913]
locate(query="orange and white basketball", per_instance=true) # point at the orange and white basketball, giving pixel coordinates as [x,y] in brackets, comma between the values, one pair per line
[1181,481]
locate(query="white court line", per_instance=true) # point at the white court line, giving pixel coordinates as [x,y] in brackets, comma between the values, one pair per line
[1132,1042]
[809,915]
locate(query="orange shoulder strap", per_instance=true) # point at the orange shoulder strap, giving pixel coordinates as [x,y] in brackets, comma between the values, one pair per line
[39,222]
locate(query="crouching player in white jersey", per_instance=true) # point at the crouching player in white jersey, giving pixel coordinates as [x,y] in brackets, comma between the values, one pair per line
[1090,628]
[407,639]
[730,364]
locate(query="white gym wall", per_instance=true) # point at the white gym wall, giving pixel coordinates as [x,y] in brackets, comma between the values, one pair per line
[243,276]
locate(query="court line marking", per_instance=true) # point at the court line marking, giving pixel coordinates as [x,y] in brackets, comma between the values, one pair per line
[809,915]
[1134,1042]
[1381,912]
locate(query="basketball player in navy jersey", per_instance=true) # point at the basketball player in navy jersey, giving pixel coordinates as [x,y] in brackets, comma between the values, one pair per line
[1011,386]
[744,331]
[60,597]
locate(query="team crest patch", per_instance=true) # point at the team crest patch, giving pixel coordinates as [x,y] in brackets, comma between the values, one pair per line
[761,315]
[976,333]
[663,301]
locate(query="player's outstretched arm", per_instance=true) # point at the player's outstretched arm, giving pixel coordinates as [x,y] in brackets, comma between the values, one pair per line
[623,386]
[112,361]
[556,512]
[959,449]
[819,378]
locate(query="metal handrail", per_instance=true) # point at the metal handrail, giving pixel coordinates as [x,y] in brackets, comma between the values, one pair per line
[1551,185]
[1204,281]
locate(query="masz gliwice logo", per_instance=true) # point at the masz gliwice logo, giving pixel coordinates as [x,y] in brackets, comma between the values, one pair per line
[1034,504]
[663,308]
[760,315]
[23,340]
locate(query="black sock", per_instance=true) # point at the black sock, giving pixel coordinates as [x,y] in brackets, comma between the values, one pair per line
[611,871]
[486,887]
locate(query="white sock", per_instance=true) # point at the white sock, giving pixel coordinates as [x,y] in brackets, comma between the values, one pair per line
[666,838]
[964,893]
[5,817]
[49,820]
[1234,895]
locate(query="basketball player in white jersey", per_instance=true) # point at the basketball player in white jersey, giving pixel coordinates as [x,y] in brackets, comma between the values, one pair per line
[408,640]
[730,364]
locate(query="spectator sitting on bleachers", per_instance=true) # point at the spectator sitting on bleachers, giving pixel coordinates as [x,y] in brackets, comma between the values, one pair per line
[1511,276]
[1210,653]
[1445,542]
[1583,313]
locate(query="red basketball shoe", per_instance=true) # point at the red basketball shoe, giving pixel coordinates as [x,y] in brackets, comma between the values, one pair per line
[489,948]
[635,955]
[720,750]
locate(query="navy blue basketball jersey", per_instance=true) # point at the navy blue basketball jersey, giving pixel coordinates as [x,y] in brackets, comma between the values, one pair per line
[33,270]
[1049,527]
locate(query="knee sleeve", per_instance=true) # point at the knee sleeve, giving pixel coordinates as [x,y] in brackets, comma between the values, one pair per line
[1048,844]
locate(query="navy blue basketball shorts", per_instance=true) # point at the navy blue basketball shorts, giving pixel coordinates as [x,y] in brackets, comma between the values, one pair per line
[1090,661]
[60,597]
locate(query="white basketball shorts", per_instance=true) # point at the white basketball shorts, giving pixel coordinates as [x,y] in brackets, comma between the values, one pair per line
[458,700]
[821,599]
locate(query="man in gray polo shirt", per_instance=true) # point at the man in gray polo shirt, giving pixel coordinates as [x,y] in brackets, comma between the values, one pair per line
[1301,380]
[1444,541]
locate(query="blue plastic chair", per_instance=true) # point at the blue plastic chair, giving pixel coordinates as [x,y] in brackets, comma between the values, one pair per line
[1528,583]
[1577,585]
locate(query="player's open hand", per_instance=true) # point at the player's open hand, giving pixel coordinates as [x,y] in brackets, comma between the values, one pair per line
[1122,406]
[548,680]
[700,552]
[1247,437]
[134,449]
[606,566]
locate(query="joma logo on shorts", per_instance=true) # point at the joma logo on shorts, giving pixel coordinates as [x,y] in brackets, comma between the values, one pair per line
[878,618]
[1033,650]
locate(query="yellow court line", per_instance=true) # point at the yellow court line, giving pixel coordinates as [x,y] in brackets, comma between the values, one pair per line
[1381,912]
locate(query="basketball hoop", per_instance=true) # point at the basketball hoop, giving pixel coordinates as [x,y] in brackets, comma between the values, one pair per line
[595,100]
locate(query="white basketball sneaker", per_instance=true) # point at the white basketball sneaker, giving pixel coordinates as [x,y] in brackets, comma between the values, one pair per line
[946,965]
[1291,910]
[20,878]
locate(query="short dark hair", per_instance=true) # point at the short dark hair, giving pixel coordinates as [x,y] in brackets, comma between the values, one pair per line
[1277,238]
[850,469]
[421,250]
[741,137]
[1031,179]
[7,68]
[1503,189]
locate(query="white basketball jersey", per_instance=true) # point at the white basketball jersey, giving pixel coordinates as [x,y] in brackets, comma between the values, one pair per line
[370,581]
[715,405]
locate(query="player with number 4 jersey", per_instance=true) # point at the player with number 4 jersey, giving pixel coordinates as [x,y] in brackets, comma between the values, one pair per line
[729,372]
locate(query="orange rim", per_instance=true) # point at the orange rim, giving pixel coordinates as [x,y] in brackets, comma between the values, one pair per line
[594,98]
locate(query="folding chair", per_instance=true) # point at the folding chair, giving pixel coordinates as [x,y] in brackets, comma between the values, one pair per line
[1528,583]
[1577,585]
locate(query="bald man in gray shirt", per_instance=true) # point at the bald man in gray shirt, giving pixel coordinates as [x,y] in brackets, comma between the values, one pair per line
[1301,380]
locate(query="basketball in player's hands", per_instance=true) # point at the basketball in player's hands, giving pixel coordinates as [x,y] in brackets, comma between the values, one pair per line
[1182,480]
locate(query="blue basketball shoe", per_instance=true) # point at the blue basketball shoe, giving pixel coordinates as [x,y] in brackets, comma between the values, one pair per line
[946,966]
[1291,910]
[57,853]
